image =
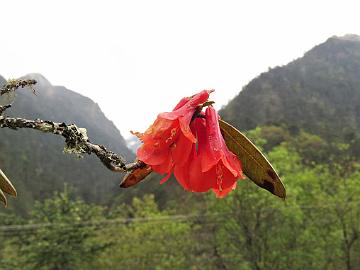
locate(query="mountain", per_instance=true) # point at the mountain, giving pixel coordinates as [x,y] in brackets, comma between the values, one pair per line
[319,93]
[36,163]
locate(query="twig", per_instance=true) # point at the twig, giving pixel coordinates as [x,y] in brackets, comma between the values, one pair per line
[13,85]
[4,108]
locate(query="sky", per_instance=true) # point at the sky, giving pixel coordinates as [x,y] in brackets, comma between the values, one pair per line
[138,58]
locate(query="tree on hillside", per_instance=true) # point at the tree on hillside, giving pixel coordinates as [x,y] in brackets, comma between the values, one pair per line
[62,234]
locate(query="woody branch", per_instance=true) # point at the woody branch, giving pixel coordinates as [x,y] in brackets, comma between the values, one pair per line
[76,140]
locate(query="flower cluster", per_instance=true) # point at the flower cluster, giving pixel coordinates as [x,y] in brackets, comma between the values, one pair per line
[188,143]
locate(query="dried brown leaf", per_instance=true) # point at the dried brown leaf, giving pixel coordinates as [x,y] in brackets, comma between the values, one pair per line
[3,198]
[136,176]
[5,185]
[254,164]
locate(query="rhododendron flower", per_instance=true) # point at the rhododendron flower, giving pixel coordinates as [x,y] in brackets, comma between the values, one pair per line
[189,144]
[211,165]
[168,140]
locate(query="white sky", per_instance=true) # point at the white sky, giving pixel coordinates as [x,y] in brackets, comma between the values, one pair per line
[138,58]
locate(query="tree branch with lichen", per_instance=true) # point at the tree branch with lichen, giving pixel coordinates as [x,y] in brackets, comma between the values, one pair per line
[76,139]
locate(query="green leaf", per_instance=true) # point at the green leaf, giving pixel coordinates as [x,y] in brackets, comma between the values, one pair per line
[254,164]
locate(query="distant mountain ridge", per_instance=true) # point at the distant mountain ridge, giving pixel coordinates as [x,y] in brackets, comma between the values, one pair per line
[319,92]
[35,161]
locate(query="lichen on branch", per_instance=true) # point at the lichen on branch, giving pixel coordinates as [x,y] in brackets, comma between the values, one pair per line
[13,85]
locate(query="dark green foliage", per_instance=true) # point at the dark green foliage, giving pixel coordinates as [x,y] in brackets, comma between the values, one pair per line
[317,227]
[152,240]
[61,236]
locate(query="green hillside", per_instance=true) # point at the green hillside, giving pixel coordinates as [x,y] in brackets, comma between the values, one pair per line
[319,92]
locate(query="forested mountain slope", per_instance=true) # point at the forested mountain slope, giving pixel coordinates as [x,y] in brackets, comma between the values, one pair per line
[319,92]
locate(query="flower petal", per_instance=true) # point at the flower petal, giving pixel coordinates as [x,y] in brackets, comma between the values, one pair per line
[232,163]
[162,181]
[182,173]
[216,149]
[181,103]
[224,178]
[187,108]
[213,150]
[164,167]
[181,150]
[184,125]
[150,155]
[200,181]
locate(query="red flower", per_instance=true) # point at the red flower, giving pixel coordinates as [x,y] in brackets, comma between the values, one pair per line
[168,140]
[212,165]
[191,147]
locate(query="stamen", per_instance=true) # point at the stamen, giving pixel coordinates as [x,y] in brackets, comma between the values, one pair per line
[173,133]
[219,176]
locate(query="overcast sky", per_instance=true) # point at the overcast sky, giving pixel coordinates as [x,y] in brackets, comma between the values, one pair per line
[138,58]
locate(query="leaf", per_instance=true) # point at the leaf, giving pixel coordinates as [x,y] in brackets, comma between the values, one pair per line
[3,198]
[136,176]
[254,164]
[5,185]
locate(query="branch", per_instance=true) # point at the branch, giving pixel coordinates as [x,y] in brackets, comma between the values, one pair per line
[13,85]
[4,108]
[76,140]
